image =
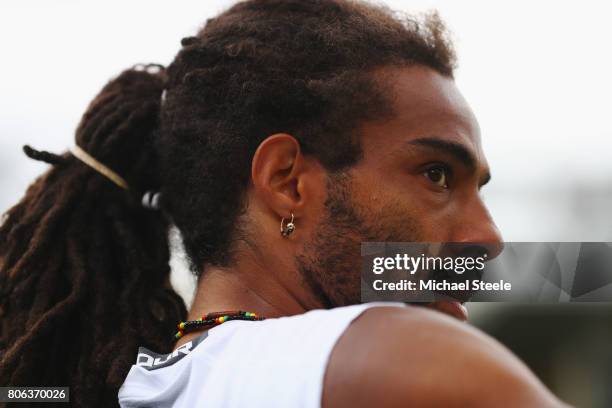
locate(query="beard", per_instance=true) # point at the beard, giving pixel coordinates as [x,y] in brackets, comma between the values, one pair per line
[330,263]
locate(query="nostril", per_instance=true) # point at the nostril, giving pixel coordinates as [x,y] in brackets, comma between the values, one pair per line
[490,250]
[494,249]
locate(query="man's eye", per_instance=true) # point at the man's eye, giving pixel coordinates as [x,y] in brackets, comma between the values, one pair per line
[438,175]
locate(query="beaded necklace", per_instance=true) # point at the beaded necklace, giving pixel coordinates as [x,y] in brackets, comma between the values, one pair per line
[214,319]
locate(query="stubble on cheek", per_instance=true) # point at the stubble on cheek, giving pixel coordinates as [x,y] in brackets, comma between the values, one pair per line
[330,263]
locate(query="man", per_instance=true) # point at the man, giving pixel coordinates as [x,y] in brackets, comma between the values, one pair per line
[282,136]
[419,180]
[414,173]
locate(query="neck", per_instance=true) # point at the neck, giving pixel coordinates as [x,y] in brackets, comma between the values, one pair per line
[250,287]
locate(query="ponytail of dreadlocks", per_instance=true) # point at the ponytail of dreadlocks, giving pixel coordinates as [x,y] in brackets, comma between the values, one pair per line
[84,274]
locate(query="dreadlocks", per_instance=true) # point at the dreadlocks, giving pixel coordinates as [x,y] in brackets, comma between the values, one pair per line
[84,267]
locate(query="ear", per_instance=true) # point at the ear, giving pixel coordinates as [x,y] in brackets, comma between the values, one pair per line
[281,175]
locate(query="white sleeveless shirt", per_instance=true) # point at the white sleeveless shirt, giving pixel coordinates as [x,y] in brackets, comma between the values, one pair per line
[277,362]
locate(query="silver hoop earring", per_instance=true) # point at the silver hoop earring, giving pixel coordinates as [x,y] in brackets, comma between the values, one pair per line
[286,230]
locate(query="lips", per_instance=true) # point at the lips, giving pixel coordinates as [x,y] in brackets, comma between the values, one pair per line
[451,308]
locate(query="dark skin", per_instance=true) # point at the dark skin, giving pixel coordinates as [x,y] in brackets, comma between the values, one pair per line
[422,169]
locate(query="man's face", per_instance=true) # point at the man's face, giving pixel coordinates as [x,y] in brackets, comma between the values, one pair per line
[419,181]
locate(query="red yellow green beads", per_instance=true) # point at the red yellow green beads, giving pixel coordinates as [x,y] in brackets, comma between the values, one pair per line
[214,319]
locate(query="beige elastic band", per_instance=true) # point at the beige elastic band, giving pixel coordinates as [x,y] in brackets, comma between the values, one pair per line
[97,166]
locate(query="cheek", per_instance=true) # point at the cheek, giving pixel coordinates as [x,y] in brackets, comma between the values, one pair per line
[410,214]
[393,219]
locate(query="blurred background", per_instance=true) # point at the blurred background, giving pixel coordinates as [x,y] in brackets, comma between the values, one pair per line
[537,74]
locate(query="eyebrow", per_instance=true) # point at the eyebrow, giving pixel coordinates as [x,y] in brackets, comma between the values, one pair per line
[457,150]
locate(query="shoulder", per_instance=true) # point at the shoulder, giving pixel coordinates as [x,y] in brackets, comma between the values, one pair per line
[390,357]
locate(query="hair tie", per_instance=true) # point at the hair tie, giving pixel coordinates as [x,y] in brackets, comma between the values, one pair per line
[151,200]
[89,160]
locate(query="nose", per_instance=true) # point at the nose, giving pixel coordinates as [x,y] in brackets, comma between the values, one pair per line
[476,226]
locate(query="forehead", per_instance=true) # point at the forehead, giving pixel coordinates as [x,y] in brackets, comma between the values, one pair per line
[425,104]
